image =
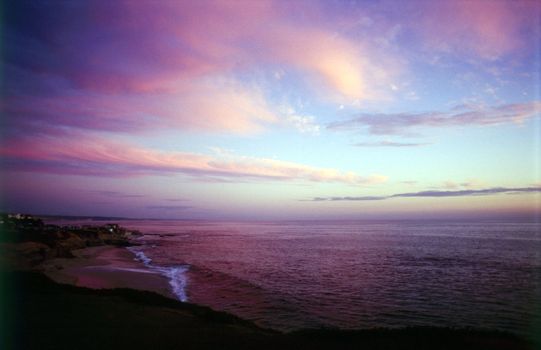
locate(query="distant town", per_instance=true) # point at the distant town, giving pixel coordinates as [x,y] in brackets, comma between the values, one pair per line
[30,222]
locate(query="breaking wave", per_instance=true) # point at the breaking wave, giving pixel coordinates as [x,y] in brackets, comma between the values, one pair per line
[175,274]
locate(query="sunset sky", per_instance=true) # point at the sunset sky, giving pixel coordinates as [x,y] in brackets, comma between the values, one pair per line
[271,109]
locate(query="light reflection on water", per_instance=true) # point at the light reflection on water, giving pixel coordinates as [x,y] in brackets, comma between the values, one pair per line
[357,275]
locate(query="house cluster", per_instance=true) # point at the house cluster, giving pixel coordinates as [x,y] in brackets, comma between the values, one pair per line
[21,221]
[24,222]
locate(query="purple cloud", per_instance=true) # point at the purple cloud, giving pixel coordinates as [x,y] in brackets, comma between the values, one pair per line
[136,66]
[402,123]
[168,207]
[433,194]
[364,198]
[114,194]
[103,157]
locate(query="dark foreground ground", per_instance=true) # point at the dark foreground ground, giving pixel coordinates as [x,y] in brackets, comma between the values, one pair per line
[40,314]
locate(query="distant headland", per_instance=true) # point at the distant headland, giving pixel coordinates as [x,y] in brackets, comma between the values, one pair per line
[26,241]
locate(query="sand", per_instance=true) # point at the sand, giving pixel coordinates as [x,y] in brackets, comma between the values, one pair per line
[106,267]
[46,315]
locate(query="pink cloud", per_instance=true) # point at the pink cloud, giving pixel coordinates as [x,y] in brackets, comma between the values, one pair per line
[468,184]
[98,156]
[208,105]
[350,70]
[486,29]
[223,36]
[137,65]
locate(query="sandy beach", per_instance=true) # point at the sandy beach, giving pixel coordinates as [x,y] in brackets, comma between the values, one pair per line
[101,297]
[106,267]
[47,315]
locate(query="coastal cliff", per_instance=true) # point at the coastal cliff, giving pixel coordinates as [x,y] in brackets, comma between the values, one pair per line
[47,315]
[25,241]
[39,313]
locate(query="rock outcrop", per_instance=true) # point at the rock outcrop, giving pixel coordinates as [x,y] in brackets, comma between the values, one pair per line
[26,241]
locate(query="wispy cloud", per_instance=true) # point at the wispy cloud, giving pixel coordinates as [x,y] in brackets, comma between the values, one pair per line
[168,207]
[171,71]
[102,157]
[432,194]
[114,194]
[176,199]
[304,124]
[483,29]
[216,105]
[389,144]
[468,184]
[402,123]
[409,182]
[361,198]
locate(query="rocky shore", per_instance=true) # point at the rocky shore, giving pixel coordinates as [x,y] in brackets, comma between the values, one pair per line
[44,303]
[25,241]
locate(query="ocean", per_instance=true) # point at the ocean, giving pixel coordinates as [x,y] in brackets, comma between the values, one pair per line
[353,275]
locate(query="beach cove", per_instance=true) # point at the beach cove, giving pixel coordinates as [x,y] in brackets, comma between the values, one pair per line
[106,267]
[109,297]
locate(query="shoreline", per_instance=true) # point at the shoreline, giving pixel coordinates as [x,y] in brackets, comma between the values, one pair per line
[106,267]
[114,294]
[44,314]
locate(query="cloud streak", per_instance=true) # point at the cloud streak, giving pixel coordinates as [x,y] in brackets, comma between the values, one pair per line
[168,207]
[102,157]
[402,123]
[115,194]
[435,194]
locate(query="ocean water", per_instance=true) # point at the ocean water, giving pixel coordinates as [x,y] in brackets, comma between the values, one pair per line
[351,275]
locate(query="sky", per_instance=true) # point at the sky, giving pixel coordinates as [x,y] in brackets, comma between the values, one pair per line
[264,110]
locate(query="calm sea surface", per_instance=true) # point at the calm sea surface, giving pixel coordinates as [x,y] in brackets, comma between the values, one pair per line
[291,275]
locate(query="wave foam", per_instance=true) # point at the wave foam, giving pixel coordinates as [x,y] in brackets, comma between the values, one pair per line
[140,256]
[175,274]
[178,280]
